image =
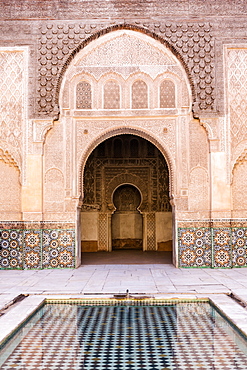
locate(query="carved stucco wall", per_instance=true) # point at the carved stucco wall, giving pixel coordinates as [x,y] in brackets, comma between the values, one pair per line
[10,191]
[54,45]
[239,187]
[13,105]
[192,43]
[199,185]
[13,101]
[126,57]
[236,92]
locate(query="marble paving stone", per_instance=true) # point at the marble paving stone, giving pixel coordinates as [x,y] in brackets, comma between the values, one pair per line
[101,278]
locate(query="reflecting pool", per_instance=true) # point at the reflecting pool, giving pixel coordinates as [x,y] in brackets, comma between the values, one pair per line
[152,337]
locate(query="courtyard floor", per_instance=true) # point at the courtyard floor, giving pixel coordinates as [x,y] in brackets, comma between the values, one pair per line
[102,276]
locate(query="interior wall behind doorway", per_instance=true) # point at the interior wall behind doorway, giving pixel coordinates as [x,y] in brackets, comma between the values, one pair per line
[127,222]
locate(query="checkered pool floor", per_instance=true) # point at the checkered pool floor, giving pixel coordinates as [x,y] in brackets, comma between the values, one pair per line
[175,336]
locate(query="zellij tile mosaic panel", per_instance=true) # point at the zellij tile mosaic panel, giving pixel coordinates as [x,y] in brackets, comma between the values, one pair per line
[182,336]
[239,247]
[11,251]
[221,247]
[58,248]
[195,247]
[37,248]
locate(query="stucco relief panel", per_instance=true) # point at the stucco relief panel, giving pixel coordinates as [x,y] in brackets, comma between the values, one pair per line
[54,148]
[124,56]
[13,88]
[239,185]
[236,88]
[54,191]
[198,189]
[198,145]
[183,152]
[131,49]
[10,191]
[58,43]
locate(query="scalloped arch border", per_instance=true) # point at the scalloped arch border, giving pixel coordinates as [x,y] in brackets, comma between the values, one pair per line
[124,179]
[116,28]
[132,131]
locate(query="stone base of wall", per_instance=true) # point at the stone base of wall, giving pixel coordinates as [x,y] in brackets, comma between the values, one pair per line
[37,245]
[215,243]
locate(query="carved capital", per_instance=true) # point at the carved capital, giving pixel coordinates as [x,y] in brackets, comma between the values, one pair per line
[211,126]
[40,128]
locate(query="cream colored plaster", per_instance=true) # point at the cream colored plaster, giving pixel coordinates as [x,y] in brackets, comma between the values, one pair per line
[127,226]
[163,226]
[89,225]
[221,191]
[32,192]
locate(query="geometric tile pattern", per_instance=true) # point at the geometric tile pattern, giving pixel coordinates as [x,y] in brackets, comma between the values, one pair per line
[239,247]
[11,243]
[216,247]
[32,240]
[38,247]
[54,247]
[222,248]
[195,247]
[184,336]
[58,248]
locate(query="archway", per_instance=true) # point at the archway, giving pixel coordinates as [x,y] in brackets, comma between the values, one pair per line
[126,201]
[124,83]
[126,222]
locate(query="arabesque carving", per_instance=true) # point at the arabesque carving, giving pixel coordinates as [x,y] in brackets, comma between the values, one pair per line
[237,93]
[40,128]
[191,43]
[12,110]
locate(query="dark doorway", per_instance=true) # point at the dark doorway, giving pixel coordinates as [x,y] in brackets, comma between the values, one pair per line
[126,203]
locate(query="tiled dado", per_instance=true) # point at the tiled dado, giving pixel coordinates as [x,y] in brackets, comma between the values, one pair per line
[37,245]
[213,244]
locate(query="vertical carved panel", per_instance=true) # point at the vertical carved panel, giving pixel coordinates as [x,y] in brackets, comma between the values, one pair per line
[167,94]
[12,88]
[237,93]
[83,95]
[139,95]
[239,186]
[54,191]
[89,182]
[163,204]
[10,191]
[151,232]
[111,95]
[103,232]
[184,152]
[198,146]
[198,190]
